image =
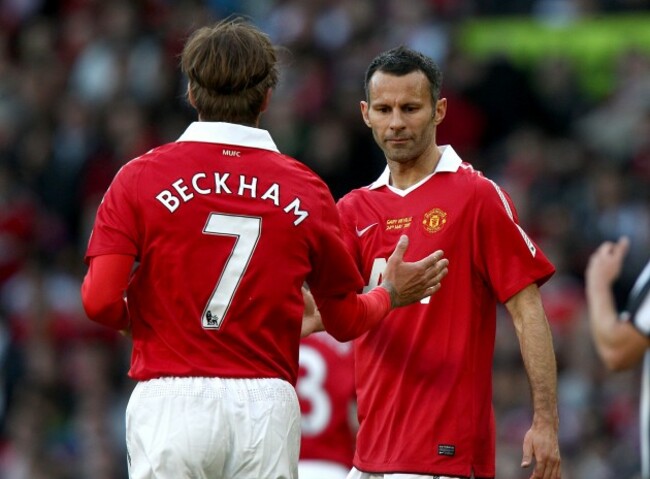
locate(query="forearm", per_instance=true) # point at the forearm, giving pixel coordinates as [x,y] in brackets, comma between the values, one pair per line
[350,316]
[539,360]
[112,314]
[536,345]
[102,291]
[604,322]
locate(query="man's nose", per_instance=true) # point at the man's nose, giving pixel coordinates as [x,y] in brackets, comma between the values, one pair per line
[396,120]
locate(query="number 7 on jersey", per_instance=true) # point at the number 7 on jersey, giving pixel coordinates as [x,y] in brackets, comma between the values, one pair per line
[247,231]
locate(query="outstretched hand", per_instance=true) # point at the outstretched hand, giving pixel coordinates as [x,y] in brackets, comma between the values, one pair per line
[410,282]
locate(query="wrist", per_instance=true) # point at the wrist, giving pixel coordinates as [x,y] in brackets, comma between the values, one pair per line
[541,419]
[388,287]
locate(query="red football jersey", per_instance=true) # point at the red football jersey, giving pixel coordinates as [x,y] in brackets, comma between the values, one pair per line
[326,392]
[226,230]
[424,375]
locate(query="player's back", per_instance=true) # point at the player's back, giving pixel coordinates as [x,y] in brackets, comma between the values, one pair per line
[226,233]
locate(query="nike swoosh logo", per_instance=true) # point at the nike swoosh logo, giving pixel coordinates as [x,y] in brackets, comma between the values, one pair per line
[360,233]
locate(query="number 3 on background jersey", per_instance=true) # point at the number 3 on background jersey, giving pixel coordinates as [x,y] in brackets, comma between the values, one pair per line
[247,231]
[311,388]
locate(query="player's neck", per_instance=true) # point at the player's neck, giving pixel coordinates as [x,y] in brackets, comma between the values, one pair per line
[405,174]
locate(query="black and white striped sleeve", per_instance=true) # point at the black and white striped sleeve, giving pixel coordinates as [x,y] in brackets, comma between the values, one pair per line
[638,305]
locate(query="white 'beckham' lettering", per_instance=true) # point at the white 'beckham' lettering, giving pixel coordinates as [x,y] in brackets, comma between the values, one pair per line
[182,191]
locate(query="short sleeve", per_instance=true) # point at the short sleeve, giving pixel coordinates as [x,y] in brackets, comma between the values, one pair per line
[115,230]
[507,257]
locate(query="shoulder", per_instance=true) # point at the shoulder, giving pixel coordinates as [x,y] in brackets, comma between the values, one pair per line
[355,195]
[139,163]
[301,170]
[290,170]
[137,171]
[469,185]
[350,204]
[470,175]
[484,187]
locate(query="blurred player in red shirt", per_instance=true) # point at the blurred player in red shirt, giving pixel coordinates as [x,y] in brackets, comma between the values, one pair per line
[424,378]
[327,404]
[199,249]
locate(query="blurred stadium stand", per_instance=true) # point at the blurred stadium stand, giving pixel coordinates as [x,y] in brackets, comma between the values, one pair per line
[550,98]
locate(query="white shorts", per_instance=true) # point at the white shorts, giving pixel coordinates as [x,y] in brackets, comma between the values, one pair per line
[206,428]
[311,469]
[356,474]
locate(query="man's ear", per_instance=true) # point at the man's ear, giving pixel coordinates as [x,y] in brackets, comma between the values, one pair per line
[441,111]
[267,100]
[364,113]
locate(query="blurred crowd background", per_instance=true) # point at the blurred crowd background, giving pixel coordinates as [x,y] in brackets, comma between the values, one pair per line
[550,98]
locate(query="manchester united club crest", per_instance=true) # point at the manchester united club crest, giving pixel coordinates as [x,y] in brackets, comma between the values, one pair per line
[434,220]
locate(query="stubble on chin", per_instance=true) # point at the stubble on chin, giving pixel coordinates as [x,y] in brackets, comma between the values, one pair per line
[398,155]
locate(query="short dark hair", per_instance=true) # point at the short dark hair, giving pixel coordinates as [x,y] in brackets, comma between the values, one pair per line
[230,67]
[401,61]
